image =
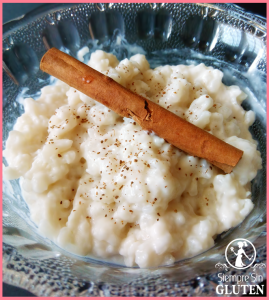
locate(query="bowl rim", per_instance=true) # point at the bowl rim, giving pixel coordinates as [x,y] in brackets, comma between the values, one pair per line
[13,24]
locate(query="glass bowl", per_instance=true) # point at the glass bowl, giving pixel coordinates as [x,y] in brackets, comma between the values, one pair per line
[219,35]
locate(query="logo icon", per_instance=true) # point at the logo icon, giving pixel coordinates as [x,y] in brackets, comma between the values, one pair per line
[240,254]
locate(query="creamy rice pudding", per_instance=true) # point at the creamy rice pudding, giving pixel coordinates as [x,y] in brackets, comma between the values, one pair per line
[97,184]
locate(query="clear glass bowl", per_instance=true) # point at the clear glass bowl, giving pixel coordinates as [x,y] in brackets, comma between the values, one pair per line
[219,35]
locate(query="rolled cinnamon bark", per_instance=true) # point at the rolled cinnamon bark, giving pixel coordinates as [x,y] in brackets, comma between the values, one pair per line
[149,115]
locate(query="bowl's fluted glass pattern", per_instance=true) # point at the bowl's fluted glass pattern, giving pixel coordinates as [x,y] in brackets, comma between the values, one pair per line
[223,36]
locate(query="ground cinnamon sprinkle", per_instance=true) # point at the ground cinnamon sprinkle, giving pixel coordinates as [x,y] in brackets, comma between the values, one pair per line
[149,115]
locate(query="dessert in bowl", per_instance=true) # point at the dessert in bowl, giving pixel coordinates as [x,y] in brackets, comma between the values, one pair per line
[171,57]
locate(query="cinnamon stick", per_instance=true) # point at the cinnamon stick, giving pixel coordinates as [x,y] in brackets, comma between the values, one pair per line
[149,115]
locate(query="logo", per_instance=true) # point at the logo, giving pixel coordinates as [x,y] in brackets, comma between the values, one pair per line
[240,254]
